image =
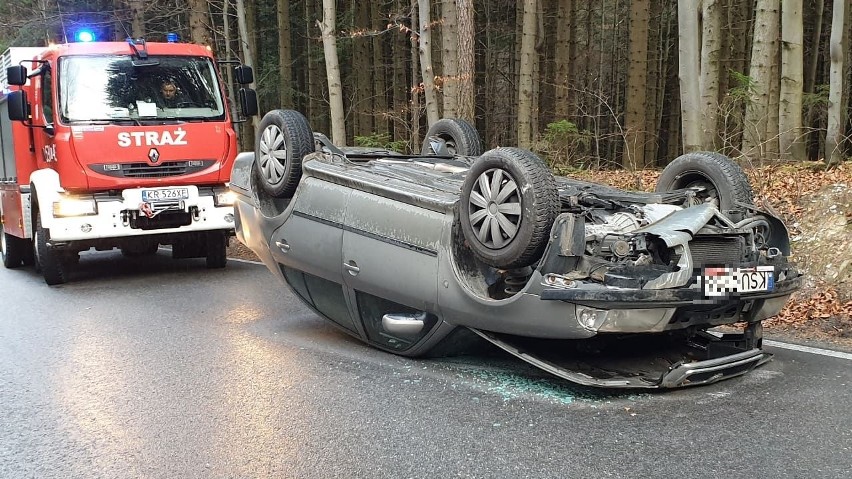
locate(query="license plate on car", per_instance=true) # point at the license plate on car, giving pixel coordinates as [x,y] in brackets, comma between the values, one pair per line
[726,281]
[165,194]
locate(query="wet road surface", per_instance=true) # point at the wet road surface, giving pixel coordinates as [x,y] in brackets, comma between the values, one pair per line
[164,369]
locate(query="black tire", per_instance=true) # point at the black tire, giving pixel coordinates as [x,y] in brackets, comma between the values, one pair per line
[509,229]
[284,138]
[452,136]
[29,252]
[217,249]
[51,263]
[12,249]
[726,184]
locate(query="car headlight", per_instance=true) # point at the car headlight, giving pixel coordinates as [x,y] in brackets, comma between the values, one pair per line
[225,198]
[67,207]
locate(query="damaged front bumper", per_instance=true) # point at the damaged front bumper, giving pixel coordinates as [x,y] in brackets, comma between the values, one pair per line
[614,310]
[640,362]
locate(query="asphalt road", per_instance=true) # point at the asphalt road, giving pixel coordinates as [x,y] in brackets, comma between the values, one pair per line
[156,368]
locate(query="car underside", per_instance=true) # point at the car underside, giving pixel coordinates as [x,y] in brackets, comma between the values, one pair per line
[415,254]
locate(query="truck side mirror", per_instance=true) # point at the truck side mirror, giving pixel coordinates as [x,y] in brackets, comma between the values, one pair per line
[16,75]
[244,75]
[19,109]
[248,101]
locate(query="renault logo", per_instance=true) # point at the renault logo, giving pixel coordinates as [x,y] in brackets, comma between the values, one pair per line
[153,155]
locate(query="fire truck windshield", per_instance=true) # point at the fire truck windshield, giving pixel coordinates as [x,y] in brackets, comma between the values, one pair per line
[112,88]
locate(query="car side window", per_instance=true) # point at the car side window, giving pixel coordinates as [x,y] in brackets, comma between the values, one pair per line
[373,308]
[325,296]
[47,96]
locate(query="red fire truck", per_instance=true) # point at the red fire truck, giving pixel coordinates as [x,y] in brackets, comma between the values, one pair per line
[115,145]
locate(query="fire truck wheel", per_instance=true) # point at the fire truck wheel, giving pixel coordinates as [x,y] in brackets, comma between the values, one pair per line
[285,138]
[217,249]
[12,249]
[29,253]
[50,261]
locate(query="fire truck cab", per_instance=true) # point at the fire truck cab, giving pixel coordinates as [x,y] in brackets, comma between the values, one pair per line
[115,145]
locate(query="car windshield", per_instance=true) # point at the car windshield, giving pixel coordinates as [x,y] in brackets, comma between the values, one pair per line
[119,88]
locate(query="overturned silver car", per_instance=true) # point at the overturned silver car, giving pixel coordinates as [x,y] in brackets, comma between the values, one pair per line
[415,254]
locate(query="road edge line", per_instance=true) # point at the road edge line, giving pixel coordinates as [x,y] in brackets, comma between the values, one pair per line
[808,349]
[240,260]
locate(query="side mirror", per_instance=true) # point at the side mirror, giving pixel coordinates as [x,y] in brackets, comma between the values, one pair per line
[19,109]
[17,75]
[248,101]
[244,75]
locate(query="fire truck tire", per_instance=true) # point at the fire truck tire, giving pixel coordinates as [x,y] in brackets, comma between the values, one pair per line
[50,261]
[13,249]
[217,250]
[29,253]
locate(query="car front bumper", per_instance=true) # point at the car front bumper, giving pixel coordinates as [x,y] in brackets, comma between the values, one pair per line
[653,311]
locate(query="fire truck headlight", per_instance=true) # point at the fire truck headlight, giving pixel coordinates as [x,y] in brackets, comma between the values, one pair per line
[225,198]
[74,207]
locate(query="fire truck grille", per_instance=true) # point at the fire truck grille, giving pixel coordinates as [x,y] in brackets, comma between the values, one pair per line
[147,170]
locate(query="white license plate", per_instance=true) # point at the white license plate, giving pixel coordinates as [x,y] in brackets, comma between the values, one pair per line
[165,194]
[725,281]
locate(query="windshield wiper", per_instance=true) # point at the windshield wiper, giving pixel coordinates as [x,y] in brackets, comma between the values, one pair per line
[107,121]
[188,118]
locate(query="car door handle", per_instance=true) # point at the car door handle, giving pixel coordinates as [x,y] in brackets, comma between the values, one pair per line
[283,246]
[352,268]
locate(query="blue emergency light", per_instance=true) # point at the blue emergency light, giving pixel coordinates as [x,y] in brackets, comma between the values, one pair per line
[171,37]
[85,36]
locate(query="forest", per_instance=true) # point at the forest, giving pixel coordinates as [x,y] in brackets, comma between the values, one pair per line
[595,84]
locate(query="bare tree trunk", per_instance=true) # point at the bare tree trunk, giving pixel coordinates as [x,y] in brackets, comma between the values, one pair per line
[466,94]
[756,128]
[137,18]
[118,27]
[711,49]
[380,72]
[637,76]
[790,115]
[285,56]
[415,74]
[562,59]
[427,71]
[450,56]
[360,108]
[525,87]
[248,59]
[813,58]
[199,33]
[535,110]
[834,133]
[663,61]
[689,73]
[332,71]
[401,48]
[226,39]
[315,84]
[773,150]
